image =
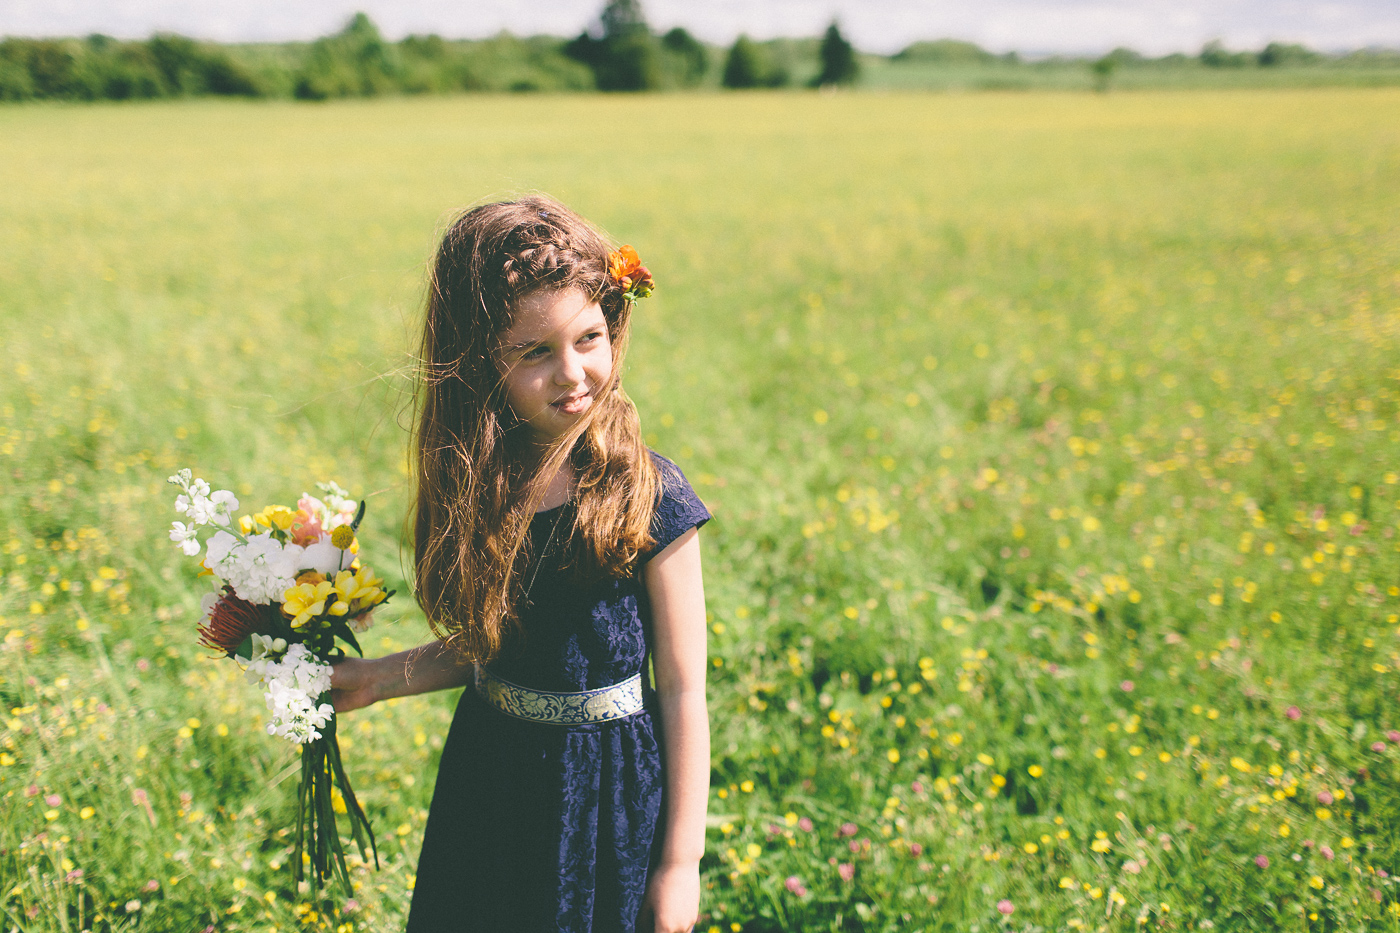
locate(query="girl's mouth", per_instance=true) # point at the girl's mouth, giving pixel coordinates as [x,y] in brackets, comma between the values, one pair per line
[574,404]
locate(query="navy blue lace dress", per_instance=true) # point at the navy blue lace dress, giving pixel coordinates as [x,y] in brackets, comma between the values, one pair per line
[543,827]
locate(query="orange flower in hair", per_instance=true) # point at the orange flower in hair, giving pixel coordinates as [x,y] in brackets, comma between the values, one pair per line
[627,269]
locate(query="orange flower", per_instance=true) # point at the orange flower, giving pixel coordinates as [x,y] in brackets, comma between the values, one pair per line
[626,267]
[623,262]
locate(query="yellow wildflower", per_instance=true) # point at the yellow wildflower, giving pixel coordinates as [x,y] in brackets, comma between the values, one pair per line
[278,515]
[305,601]
[359,589]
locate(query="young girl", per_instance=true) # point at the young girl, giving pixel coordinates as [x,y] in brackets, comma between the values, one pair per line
[555,557]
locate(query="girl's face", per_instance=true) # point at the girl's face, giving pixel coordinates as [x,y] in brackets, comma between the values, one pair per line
[554,360]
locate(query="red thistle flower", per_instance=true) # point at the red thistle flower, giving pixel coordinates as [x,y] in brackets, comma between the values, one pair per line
[232,621]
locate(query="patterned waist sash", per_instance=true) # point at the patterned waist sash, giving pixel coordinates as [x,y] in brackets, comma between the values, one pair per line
[563,709]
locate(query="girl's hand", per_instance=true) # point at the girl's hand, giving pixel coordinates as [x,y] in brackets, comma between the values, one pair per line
[672,901]
[354,684]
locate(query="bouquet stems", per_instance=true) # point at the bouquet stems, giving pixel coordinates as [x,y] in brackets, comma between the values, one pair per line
[318,842]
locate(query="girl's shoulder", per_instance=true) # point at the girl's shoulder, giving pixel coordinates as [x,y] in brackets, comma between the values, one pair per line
[678,507]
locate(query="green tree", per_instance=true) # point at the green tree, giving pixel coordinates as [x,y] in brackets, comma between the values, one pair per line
[1280,54]
[120,70]
[944,52]
[688,54]
[354,62]
[627,57]
[1102,69]
[52,67]
[838,57]
[1215,55]
[622,19]
[187,67]
[15,83]
[745,66]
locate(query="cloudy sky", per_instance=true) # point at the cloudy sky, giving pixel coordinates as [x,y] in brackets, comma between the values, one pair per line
[875,25]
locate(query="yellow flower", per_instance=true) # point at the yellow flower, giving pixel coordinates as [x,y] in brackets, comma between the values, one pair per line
[278,515]
[1035,771]
[1317,882]
[306,601]
[360,587]
[343,536]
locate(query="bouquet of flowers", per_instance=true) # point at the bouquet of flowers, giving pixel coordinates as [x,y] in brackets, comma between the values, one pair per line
[289,584]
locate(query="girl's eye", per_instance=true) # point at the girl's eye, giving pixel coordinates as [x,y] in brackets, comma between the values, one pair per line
[534,353]
[590,337]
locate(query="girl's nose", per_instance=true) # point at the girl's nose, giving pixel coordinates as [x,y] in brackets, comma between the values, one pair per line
[570,371]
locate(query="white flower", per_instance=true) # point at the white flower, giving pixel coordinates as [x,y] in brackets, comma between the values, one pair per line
[292,687]
[201,510]
[260,570]
[198,504]
[185,537]
[291,563]
[219,547]
[224,503]
[262,648]
[325,557]
[207,604]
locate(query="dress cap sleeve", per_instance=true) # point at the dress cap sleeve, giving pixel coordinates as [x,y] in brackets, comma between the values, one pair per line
[678,508]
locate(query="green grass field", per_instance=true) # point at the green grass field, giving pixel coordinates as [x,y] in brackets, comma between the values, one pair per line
[1051,438]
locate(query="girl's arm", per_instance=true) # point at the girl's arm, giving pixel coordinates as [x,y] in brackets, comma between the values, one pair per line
[358,682]
[677,596]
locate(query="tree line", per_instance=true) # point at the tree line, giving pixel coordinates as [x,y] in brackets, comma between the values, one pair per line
[620,53]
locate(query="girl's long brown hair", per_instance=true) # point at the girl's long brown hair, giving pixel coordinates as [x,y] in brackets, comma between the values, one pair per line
[475,471]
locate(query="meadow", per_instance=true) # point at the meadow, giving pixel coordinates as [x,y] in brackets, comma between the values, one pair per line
[1051,440]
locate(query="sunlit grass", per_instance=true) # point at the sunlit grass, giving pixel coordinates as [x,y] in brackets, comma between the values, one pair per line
[1051,441]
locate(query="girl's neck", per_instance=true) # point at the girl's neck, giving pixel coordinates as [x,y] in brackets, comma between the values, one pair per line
[558,488]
